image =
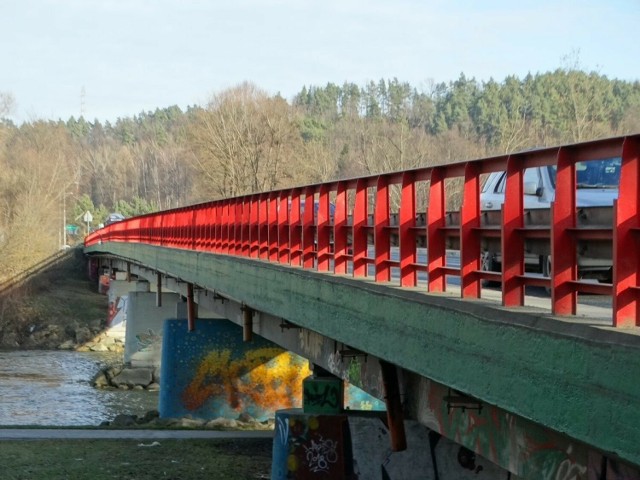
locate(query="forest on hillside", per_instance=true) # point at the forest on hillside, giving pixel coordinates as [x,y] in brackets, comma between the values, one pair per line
[245,140]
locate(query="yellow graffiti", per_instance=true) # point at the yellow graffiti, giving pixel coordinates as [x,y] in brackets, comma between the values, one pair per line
[266,377]
[292,463]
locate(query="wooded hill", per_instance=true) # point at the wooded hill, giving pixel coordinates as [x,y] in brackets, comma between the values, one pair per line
[245,140]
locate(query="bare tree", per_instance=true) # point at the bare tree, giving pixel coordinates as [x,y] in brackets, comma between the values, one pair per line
[244,141]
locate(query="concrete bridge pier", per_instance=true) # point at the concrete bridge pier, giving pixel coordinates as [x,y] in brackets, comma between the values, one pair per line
[209,371]
[143,339]
[325,440]
[117,286]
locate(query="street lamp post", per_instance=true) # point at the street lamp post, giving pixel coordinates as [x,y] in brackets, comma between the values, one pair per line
[64,220]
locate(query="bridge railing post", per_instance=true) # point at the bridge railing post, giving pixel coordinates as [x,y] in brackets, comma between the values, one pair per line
[626,258]
[469,234]
[436,253]
[407,231]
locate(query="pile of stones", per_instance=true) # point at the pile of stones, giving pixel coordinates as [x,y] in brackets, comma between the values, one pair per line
[127,378]
[152,419]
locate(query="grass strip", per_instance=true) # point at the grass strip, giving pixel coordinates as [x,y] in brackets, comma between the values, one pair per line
[135,460]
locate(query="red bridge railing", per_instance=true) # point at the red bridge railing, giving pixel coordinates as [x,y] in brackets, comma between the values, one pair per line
[354,226]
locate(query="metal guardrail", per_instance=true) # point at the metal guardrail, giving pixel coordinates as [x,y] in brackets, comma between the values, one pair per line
[327,226]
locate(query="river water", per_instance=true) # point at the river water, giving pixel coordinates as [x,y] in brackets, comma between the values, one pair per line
[54,388]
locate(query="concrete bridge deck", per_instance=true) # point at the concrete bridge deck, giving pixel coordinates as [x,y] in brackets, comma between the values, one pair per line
[572,375]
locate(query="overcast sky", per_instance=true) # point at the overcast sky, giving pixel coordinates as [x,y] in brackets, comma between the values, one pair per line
[129,56]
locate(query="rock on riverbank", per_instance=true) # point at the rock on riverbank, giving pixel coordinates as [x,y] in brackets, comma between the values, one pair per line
[152,419]
[127,378]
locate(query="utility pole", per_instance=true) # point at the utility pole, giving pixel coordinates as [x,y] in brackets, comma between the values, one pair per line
[64,219]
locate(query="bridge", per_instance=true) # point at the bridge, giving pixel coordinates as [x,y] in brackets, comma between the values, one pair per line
[377,281]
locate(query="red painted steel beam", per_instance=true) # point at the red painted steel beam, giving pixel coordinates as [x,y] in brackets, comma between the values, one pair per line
[360,231]
[469,238]
[381,232]
[254,227]
[564,265]
[395,415]
[512,243]
[272,216]
[340,231]
[263,226]
[239,205]
[436,252]
[246,227]
[295,222]
[323,229]
[283,229]
[407,232]
[308,229]
[626,258]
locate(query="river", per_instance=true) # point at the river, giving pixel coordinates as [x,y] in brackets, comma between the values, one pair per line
[53,388]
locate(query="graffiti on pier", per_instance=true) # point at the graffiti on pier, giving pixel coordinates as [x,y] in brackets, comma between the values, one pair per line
[322,395]
[266,378]
[310,446]
[147,340]
[210,373]
[321,454]
[117,311]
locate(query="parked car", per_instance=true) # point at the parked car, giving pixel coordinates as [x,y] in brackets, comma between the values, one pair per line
[596,186]
[113,218]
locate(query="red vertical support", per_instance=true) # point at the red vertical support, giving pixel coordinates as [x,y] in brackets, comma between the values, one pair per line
[196,236]
[273,227]
[263,226]
[512,246]
[360,230]
[436,252]
[246,226]
[209,221]
[469,237]
[295,229]
[225,227]
[172,229]
[626,258]
[232,226]
[254,227]
[238,225]
[564,267]
[324,233]
[340,231]
[381,231]
[407,232]
[308,229]
[161,233]
[217,227]
[283,228]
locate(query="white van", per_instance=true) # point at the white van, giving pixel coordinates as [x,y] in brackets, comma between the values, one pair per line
[597,186]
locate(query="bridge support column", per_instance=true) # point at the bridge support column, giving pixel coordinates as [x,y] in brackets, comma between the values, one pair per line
[395,416]
[210,372]
[143,340]
[356,445]
[322,393]
[117,288]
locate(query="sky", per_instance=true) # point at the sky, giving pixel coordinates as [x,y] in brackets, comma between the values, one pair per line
[109,59]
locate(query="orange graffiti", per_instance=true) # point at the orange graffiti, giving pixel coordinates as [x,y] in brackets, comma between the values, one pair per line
[267,377]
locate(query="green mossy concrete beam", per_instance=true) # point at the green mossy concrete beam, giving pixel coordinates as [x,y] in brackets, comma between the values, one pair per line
[573,378]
